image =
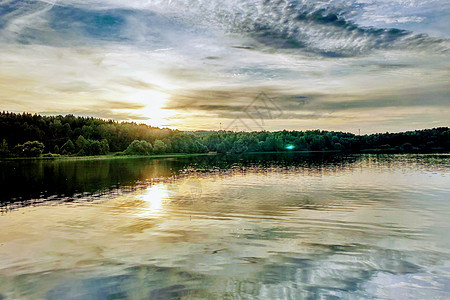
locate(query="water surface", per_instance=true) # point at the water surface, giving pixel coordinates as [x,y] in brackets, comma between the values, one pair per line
[285,226]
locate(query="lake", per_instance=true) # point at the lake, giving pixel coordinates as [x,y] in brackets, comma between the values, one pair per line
[266,226]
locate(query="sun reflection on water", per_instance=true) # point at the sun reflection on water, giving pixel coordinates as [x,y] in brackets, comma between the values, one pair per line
[153,198]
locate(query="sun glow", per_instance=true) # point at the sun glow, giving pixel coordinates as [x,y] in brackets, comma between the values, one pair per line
[153,102]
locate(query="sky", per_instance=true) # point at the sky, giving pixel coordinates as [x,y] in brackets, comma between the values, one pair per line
[373,65]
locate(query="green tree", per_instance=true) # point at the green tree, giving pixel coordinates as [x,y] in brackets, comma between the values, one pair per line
[239,147]
[301,143]
[202,148]
[159,147]
[407,147]
[338,146]
[88,131]
[30,149]
[252,144]
[93,147]
[68,147]
[318,143]
[80,144]
[56,149]
[104,146]
[193,147]
[269,144]
[139,147]
[223,147]
[4,151]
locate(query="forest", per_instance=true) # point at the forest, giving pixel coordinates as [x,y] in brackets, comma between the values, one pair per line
[32,135]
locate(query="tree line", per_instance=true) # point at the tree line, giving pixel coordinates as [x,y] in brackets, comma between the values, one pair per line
[28,135]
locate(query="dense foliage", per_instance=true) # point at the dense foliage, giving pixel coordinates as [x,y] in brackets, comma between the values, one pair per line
[31,135]
[437,139]
[30,148]
[70,135]
[139,148]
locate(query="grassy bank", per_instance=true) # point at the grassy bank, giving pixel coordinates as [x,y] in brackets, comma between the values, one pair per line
[107,156]
[119,155]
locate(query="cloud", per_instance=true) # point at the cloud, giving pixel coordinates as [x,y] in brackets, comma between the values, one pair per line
[113,105]
[379,108]
[398,19]
[225,103]
[323,62]
[137,84]
[326,30]
[63,24]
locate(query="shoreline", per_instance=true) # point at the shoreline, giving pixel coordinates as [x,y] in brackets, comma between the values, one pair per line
[104,157]
[170,155]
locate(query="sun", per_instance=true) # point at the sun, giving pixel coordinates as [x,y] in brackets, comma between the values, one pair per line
[153,107]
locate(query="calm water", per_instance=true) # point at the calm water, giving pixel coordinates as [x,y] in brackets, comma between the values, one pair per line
[217,227]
